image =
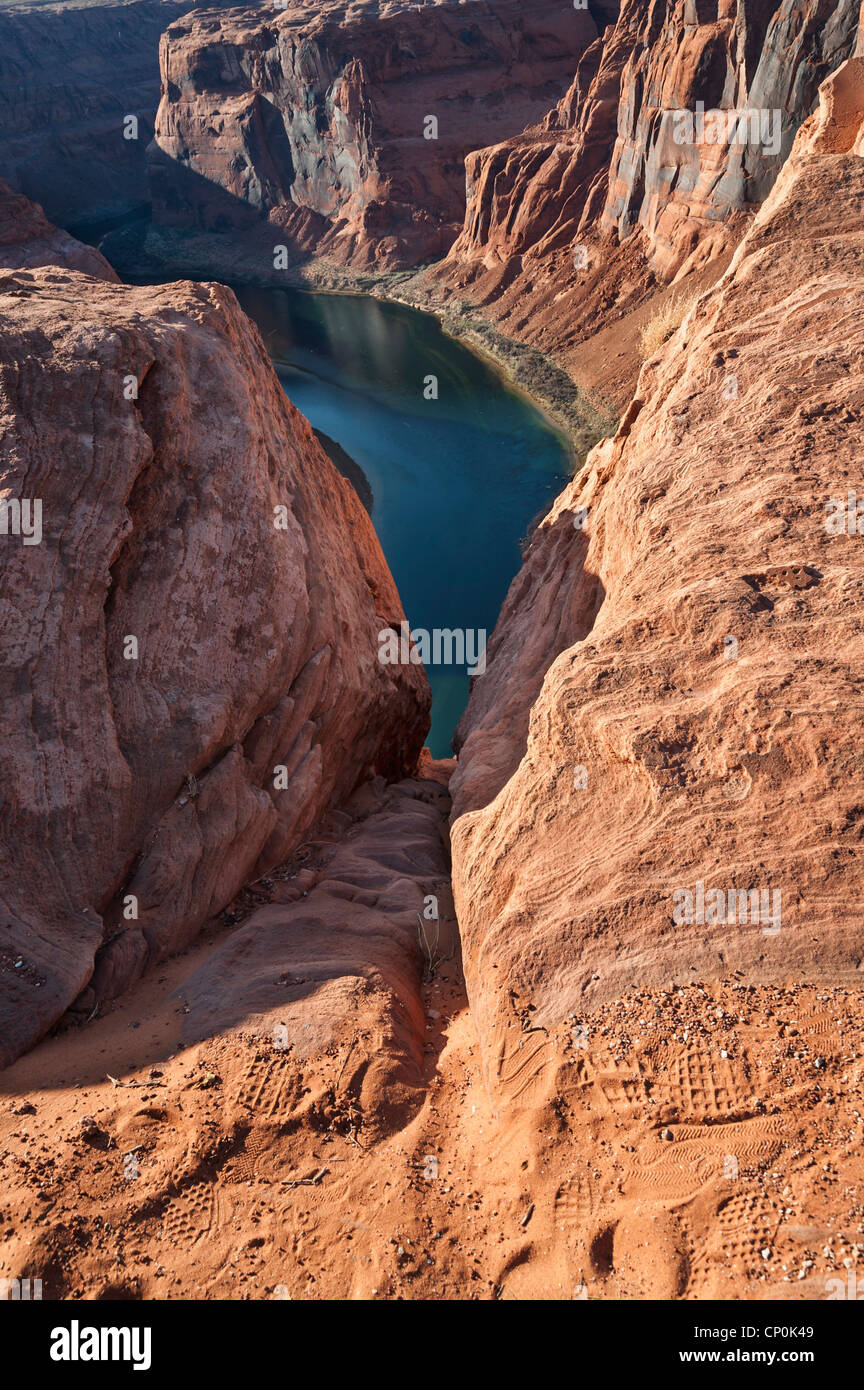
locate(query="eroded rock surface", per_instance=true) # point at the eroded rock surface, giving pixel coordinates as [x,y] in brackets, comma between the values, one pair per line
[320,117]
[572,225]
[699,641]
[202,610]
[338,954]
[765,63]
[28,239]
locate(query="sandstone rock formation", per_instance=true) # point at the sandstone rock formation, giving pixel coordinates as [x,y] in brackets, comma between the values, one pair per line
[671,686]
[28,239]
[339,951]
[321,118]
[570,225]
[676,182]
[69,77]
[202,610]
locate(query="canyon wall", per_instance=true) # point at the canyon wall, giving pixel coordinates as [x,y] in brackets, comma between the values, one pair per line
[573,224]
[656,780]
[677,179]
[69,78]
[189,639]
[349,126]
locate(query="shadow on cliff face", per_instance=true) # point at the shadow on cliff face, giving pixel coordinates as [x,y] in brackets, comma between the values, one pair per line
[342,958]
[551,605]
[197,223]
[70,78]
[324,950]
[186,200]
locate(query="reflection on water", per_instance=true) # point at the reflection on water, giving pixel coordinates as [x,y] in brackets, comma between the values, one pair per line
[455,481]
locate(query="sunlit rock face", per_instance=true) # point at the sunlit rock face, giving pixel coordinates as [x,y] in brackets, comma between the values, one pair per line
[710,105]
[349,126]
[631,181]
[190,602]
[655,779]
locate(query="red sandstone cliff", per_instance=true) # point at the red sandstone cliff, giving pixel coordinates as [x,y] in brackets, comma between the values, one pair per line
[570,226]
[672,683]
[202,609]
[672,698]
[320,117]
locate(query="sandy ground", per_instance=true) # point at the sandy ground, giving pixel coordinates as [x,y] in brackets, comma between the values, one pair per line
[691,1143]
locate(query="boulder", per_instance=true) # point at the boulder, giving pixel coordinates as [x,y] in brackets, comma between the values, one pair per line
[189,644]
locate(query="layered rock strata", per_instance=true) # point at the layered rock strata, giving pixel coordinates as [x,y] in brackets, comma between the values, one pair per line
[349,127]
[191,601]
[656,779]
[675,127]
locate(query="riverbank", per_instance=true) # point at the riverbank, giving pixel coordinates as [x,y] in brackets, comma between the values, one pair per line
[459,462]
[141,250]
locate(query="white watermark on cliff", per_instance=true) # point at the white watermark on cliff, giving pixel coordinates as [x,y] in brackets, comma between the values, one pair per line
[728,907]
[749,125]
[845,515]
[22,516]
[443,646]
